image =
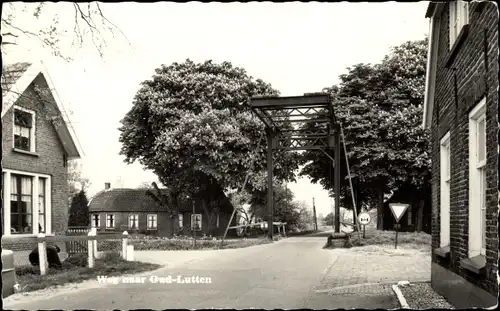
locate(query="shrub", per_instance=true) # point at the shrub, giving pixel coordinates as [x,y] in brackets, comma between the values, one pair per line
[79,260]
[26,270]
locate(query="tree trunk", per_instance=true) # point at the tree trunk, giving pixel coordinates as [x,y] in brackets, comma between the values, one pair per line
[420,212]
[380,209]
[207,215]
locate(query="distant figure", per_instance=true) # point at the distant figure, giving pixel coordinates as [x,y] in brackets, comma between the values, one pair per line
[52,257]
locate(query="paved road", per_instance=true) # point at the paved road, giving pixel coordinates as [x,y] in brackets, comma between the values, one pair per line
[286,274]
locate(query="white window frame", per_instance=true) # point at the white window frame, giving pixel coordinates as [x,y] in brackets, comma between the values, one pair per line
[477,196]
[193,216]
[93,225]
[135,219]
[107,221]
[181,220]
[7,173]
[458,18]
[155,217]
[32,130]
[445,179]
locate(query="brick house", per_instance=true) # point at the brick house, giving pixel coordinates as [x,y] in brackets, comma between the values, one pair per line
[461,111]
[37,143]
[134,211]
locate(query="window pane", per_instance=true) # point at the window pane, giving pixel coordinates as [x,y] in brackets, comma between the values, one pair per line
[20,223]
[23,118]
[15,224]
[13,185]
[26,185]
[41,223]
[481,140]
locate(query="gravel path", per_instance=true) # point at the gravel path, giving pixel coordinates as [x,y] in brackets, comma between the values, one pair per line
[423,296]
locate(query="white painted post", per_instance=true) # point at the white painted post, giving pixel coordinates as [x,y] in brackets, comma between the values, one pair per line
[42,254]
[284,230]
[130,252]
[124,245]
[90,248]
[94,242]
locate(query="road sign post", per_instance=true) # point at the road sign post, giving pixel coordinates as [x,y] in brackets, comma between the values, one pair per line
[398,209]
[364,219]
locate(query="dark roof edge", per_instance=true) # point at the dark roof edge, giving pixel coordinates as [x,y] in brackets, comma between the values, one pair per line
[430,9]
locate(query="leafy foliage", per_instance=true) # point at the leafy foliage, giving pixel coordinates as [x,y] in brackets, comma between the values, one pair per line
[79,211]
[190,125]
[76,182]
[380,108]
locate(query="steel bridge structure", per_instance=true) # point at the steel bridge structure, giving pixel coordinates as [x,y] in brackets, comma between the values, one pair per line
[305,122]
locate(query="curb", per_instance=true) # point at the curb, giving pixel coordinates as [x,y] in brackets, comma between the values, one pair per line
[399,294]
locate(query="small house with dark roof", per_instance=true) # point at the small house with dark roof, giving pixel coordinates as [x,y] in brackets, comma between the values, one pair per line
[134,211]
[37,142]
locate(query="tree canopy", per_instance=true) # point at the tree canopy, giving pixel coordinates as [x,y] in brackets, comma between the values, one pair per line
[190,124]
[380,108]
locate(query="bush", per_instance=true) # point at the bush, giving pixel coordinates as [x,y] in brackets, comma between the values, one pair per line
[27,270]
[79,260]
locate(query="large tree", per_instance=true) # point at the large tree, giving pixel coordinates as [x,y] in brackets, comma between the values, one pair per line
[191,126]
[380,108]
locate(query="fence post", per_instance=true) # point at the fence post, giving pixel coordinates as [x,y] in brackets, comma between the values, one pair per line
[124,245]
[90,249]
[42,253]
[94,242]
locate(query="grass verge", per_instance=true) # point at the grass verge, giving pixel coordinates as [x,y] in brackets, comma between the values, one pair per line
[75,271]
[187,243]
[382,240]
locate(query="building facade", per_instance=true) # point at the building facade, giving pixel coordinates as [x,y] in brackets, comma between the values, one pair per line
[134,211]
[37,143]
[461,111]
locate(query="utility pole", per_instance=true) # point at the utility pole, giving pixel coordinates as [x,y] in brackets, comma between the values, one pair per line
[315,219]
[193,219]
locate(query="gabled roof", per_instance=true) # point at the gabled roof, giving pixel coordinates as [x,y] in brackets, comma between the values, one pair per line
[16,78]
[127,200]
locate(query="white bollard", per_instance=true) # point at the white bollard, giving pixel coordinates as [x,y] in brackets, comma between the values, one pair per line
[130,252]
[90,248]
[42,254]
[94,242]
[124,245]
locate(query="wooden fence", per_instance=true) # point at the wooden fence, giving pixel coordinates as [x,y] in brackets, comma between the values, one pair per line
[77,246]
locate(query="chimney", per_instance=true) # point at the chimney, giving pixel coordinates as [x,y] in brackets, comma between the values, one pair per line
[107,186]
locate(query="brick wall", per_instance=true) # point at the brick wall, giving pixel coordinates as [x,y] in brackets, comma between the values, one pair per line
[50,159]
[475,76]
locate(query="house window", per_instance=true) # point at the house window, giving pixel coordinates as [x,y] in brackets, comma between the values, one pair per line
[110,221]
[24,129]
[21,207]
[196,222]
[96,221]
[26,207]
[152,222]
[181,220]
[41,205]
[445,178]
[459,17]
[477,180]
[133,221]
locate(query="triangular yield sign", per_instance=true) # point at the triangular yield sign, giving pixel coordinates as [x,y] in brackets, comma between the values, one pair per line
[398,210]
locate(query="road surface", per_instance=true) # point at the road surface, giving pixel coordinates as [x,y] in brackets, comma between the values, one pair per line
[282,275]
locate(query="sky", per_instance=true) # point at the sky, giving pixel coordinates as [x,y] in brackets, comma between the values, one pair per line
[297,47]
